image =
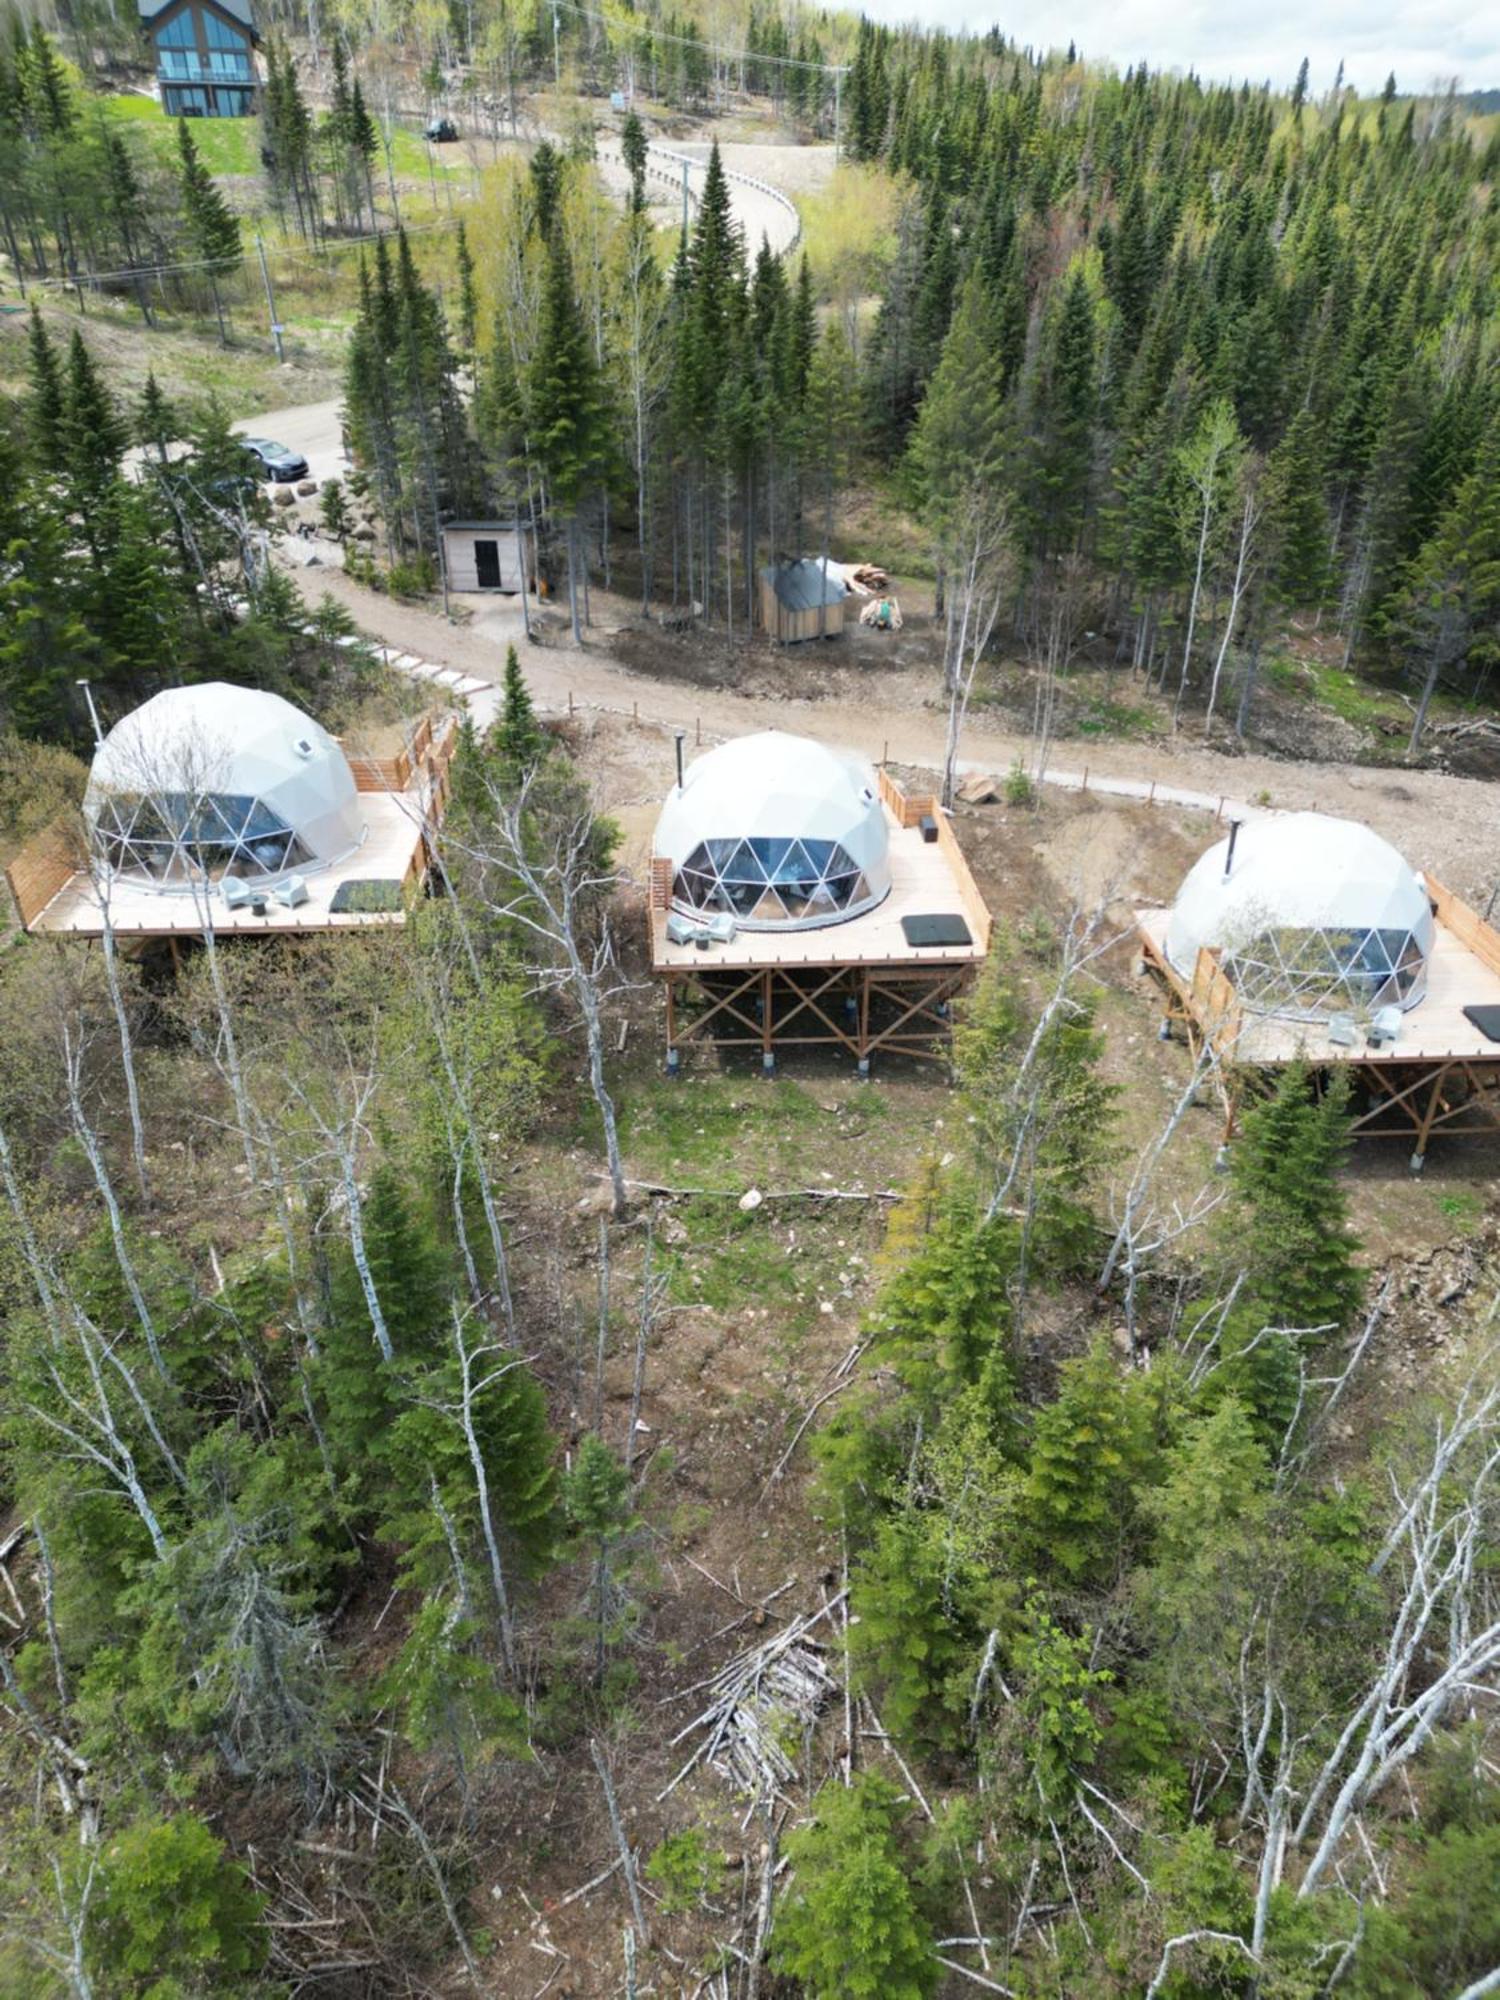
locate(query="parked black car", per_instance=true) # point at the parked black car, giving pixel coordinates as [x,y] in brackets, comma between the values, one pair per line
[439,130]
[274,460]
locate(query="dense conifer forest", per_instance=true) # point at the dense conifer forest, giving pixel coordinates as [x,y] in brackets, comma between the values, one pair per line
[477,1516]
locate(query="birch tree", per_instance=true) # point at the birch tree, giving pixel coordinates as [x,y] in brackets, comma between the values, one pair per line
[535,862]
[1209,464]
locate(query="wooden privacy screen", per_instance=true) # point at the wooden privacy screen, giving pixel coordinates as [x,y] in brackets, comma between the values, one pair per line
[46,864]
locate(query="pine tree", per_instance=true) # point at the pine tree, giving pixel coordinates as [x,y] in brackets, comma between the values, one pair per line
[156,422]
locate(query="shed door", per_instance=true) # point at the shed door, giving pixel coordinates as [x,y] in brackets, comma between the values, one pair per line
[487,564]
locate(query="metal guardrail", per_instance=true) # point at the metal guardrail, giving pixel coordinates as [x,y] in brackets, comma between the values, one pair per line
[744,180]
[684,162]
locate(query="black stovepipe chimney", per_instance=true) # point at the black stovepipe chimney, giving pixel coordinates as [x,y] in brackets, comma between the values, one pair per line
[680,734]
[1234,834]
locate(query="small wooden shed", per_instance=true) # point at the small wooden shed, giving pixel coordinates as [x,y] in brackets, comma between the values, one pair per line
[487,555]
[799,600]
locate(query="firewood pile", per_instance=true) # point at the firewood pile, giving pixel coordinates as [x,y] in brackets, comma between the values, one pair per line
[758,1701]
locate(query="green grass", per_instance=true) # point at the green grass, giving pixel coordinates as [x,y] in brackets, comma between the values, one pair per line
[1462,1208]
[1335,691]
[1121,720]
[785,1258]
[739,1131]
[232,145]
[225,145]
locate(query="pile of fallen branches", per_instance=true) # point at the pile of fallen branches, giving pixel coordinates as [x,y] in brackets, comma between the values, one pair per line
[758,1701]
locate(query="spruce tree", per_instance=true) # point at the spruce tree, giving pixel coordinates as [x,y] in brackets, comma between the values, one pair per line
[1449,607]
[468,297]
[848,1926]
[1292,1235]
[44,408]
[1297,516]
[1062,461]
[569,425]
[634,151]
[91,437]
[212,228]
[520,740]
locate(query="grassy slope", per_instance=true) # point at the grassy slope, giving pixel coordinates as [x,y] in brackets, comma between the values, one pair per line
[232,145]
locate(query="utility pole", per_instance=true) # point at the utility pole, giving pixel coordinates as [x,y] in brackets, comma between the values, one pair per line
[686,165]
[838,91]
[556,53]
[88,695]
[265,278]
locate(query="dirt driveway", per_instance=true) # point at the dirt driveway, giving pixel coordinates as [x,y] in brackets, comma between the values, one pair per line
[1446,824]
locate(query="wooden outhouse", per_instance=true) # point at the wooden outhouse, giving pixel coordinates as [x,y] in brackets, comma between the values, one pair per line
[799,600]
[487,555]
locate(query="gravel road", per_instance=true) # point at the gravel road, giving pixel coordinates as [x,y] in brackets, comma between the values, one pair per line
[1448,825]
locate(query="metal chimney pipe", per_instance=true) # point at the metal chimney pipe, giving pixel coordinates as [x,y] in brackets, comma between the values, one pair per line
[680,734]
[1234,834]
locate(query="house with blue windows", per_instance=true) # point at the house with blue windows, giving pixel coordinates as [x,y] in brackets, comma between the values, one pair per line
[205,56]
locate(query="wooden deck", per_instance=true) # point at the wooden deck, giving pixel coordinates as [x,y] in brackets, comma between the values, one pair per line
[1439,1075]
[857,985]
[400,798]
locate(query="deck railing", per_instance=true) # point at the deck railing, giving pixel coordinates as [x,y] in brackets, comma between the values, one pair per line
[1471,930]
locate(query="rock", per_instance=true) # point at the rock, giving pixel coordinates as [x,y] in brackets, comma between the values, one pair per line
[751,1199]
[283,497]
[306,486]
[363,533]
[980,788]
[597,1201]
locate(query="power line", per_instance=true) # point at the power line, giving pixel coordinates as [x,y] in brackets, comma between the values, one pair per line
[304,255]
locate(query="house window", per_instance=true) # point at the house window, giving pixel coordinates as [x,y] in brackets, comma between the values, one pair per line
[221,63]
[177,34]
[219,34]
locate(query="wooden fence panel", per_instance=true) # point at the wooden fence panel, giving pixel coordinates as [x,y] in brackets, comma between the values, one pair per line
[46,864]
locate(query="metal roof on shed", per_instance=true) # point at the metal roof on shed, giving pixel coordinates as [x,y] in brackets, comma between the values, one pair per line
[803,586]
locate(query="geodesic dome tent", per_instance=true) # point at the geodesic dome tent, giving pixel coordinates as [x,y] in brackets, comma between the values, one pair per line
[778,832]
[1310,916]
[199,783]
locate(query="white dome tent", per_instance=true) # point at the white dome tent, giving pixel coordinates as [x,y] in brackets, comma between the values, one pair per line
[776,832]
[1310,916]
[214,781]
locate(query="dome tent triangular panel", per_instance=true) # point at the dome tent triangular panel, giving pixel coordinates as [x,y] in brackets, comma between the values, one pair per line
[779,810]
[1310,915]
[212,780]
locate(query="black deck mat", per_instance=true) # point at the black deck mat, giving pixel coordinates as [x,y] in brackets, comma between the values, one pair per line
[366,897]
[926,933]
[1486,1020]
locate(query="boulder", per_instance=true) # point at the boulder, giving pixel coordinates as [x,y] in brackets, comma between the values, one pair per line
[283,496]
[306,486]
